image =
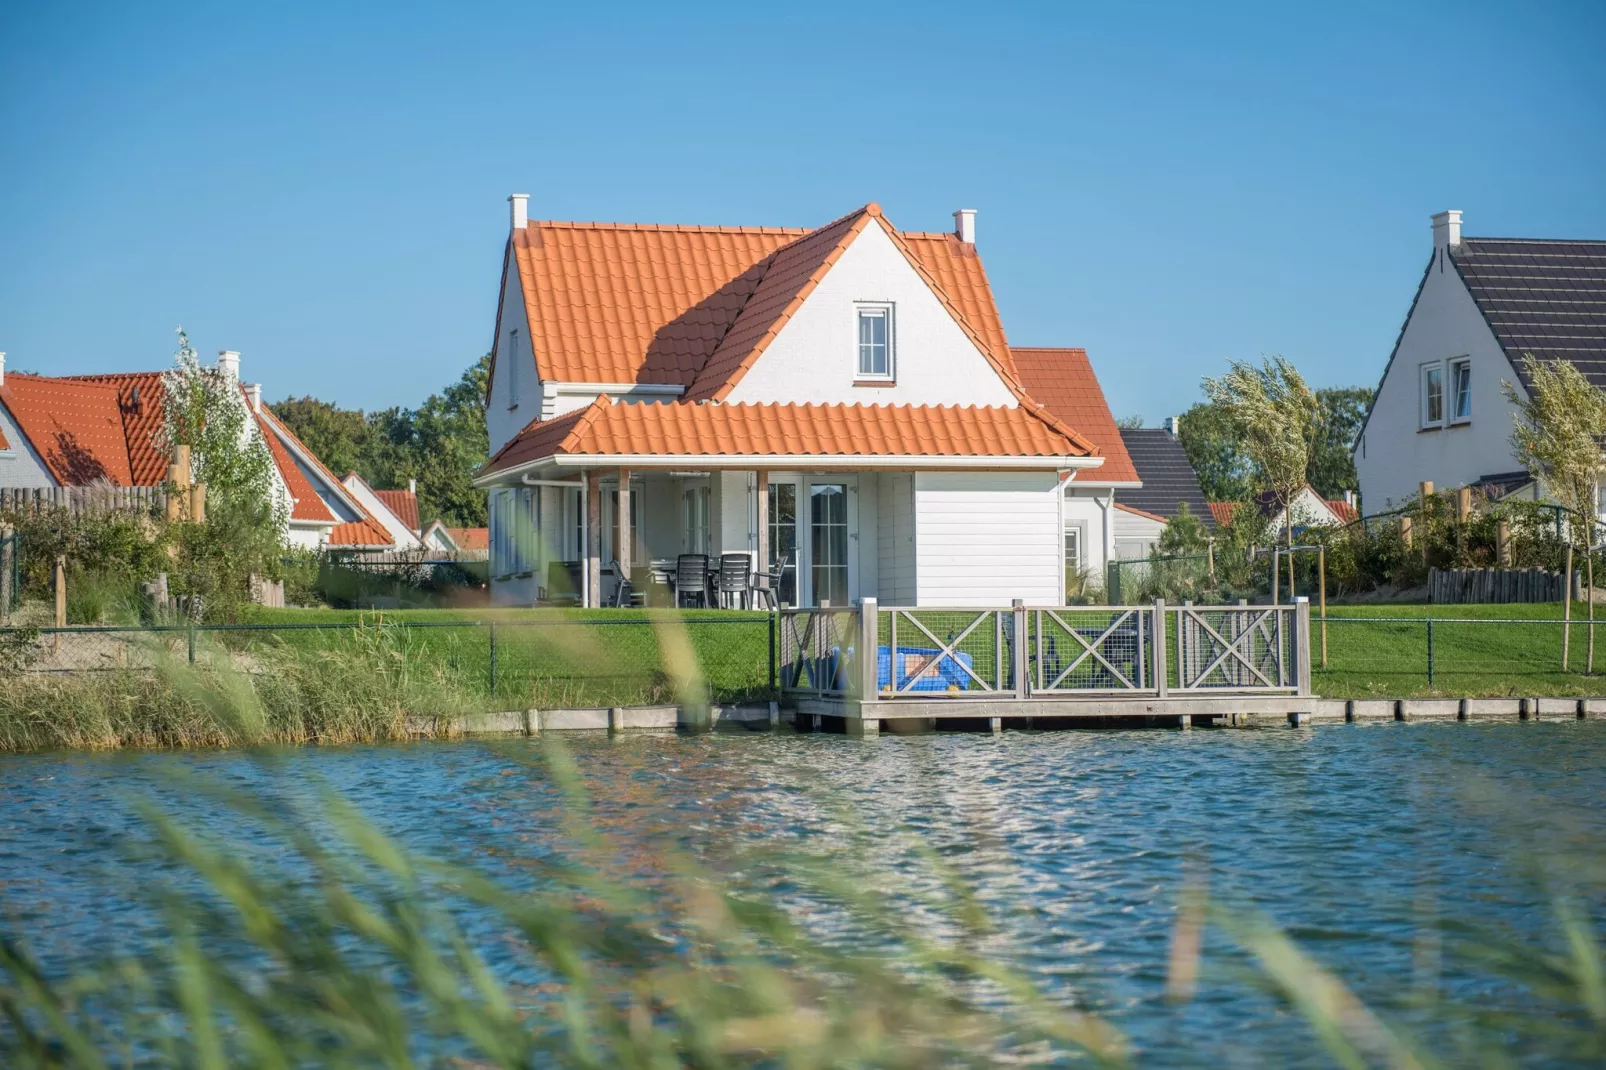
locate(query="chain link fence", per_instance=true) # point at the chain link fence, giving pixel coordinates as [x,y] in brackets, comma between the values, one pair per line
[552,663]
[1357,657]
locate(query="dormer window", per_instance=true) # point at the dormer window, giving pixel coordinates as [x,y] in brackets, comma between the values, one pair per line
[876,343]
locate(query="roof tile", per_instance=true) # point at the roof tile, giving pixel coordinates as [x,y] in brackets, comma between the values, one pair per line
[1063,381]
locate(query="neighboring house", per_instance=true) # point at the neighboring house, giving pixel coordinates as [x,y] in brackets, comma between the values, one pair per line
[471,541]
[394,510]
[1310,510]
[77,430]
[1168,483]
[843,399]
[1440,413]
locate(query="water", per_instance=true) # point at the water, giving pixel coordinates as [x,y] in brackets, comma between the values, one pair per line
[1351,838]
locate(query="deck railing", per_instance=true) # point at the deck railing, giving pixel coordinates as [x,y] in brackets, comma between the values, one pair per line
[1019,652]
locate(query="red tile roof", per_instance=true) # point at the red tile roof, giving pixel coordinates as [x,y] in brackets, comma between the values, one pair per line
[1141,512]
[404,503]
[142,397]
[1343,510]
[366,533]
[471,538]
[305,504]
[607,428]
[74,425]
[1223,511]
[1063,381]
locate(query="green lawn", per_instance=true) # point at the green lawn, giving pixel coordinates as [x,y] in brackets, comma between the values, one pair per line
[1381,650]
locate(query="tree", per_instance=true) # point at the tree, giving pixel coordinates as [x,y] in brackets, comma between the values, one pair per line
[1216,453]
[1129,423]
[1559,427]
[1275,417]
[1183,535]
[1332,464]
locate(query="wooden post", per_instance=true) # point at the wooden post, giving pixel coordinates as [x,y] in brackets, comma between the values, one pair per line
[1302,649]
[621,526]
[1427,492]
[761,544]
[1210,557]
[869,654]
[1566,607]
[175,494]
[1321,594]
[7,552]
[61,597]
[1157,641]
[1463,504]
[1502,543]
[593,546]
[198,503]
[1405,531]
[1018,610]
[1276,573]
[1292,594]
[1589,594]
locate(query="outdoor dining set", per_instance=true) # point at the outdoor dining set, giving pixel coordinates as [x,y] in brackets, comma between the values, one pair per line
[725,581]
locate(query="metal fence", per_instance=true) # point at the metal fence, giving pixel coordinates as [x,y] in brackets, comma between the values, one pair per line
[600,660]
[1017,652]
[1451,654]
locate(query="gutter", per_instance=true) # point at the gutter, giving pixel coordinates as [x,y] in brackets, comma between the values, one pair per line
[785,462]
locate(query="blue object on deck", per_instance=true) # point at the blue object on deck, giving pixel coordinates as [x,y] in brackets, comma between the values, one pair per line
[921,665]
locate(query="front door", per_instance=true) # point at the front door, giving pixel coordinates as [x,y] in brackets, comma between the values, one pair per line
[828,543]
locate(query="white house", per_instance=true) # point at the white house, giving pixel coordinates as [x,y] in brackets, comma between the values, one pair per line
[842,399]
[1440,413]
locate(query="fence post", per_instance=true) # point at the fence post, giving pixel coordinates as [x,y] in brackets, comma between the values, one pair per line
[869,652]
[493,659]
[189,627]
[1017,608]
[773,618]
[7,556]
[1430,652]
[1302,644]
[1157,641]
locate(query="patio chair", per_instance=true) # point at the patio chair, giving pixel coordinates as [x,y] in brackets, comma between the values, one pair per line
[563,582]
[735,584]
[767,585]
[691,579]
[624,588]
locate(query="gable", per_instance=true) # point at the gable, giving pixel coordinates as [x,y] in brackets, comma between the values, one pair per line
[812,356]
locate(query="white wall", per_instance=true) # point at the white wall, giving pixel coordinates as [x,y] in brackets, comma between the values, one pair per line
[1135,535]
[985,538]
[1082,510]
[501,422]
[20,465]
[400,534]
[814,358]
[1394,456]
[301,538]
[895,541]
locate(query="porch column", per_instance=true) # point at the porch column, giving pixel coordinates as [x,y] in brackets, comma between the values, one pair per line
[593,547]
[762,482]
[621,524]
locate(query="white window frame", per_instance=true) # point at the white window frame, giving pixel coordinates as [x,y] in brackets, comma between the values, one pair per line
[1079,530]
[1424,373]
[886,311]
[1453,395]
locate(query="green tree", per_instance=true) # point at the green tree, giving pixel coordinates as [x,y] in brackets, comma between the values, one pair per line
[1274,416]
[1559,427]
[1129,423]
[1332,464]
[1185,534]
[1216,453]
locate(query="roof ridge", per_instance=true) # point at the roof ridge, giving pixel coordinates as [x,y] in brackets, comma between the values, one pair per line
[669,228]
[1538,241]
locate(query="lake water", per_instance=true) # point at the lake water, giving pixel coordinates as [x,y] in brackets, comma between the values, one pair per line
[1351,838]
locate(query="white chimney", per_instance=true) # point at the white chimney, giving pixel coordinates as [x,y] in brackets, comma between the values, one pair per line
[253,393]
[965,225]
[520,203]
[412,486]
[1173,424]
[2,367]
[228,362]
[1446,230]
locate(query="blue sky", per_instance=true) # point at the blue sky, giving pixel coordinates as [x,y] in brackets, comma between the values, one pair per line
[323,186]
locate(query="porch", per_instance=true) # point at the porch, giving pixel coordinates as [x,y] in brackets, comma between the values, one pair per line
[833,537]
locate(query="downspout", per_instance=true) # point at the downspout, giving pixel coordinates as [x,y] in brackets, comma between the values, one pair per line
[1109,528]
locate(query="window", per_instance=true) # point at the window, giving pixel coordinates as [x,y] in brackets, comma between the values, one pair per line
[696,520]
[513,369]
[1432,395]
[1073,553]
[1460,391]
[875,342]
[783,537]
[828,531]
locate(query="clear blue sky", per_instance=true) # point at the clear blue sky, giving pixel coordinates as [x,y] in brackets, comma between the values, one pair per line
[323,186]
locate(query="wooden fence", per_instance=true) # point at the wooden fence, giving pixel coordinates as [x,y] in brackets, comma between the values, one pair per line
[31,500]
[1449,586]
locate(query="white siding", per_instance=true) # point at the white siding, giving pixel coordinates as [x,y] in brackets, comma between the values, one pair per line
[501,421]
[814,358]
[895,542]
[1135,535]
[1083,512]
[985,538]
[399,533]
[1394,455]
[20,466]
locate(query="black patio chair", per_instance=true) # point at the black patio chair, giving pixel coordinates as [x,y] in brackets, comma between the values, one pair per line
[624,588]
[691,579]
[767,585]
[735,584]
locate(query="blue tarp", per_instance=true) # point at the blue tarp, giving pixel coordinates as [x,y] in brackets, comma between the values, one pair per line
[922,663]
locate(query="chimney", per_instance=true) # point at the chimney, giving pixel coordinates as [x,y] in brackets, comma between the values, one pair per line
[520,203]
[965,225]
[1349,498]
[412,486]
[2,367]
[1173,424]
[1446,230]
[228,362]
[253,393]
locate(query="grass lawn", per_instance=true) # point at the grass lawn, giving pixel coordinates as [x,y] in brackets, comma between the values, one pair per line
[1381,650]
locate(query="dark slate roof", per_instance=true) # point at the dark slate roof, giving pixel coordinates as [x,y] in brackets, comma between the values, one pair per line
[1547,298]
[1167,476]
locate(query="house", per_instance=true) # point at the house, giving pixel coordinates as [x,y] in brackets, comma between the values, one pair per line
[1167,484]
[394,510]
[81,430]
[1309,508]
[1482,304]
[843,400]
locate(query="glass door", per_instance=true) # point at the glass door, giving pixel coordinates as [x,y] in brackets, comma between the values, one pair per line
[828,543]
[783,538]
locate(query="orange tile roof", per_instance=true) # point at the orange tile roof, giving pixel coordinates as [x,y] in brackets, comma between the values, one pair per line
[366,532]
[1343,509]
[404,503]
[142,397]
[1141,512]
[679,429]
[75,426]
[305,503]
[471,538]
[1223,511]
[1063,381]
